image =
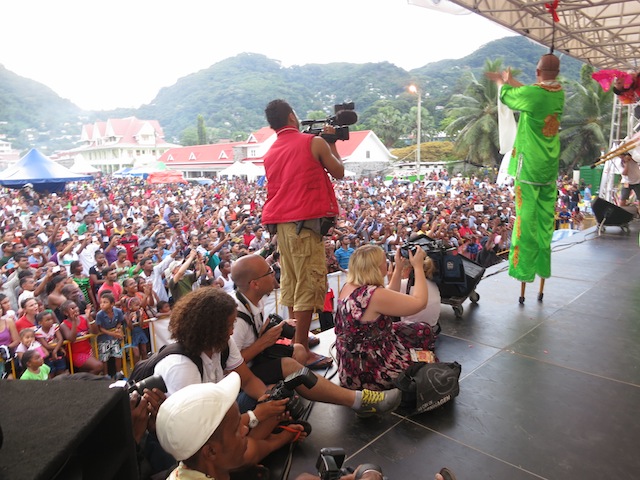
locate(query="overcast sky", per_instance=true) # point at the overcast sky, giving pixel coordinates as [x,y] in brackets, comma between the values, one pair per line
[103,55]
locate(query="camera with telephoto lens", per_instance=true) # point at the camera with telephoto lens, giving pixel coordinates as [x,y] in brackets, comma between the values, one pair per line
[425,243]
[286,389]
[274,320]
[344,115]
[154,381]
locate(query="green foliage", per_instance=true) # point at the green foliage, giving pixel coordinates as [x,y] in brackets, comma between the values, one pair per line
[231,96]
[585,121]
[202,131]
[189,136]
[429,152]
[473,118]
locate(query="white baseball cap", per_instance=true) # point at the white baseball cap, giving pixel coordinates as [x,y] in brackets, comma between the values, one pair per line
[188,418]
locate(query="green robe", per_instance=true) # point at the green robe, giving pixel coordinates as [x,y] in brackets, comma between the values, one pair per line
[534,164]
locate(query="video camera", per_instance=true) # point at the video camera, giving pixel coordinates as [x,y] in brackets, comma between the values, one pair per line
[274,320]
[329,465]
[286,389]
[344,115]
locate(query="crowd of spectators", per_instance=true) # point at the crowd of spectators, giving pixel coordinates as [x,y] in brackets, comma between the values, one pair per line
[131,240]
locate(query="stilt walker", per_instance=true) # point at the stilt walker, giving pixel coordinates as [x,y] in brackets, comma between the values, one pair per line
[534,166]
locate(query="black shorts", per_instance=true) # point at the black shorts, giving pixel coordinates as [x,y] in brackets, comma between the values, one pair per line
[269,371]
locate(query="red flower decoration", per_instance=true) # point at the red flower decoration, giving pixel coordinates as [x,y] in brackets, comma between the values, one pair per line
[551,8]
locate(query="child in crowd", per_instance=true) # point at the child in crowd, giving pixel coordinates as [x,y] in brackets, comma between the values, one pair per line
[110,321]
[135,320]
[75,329]
[164,310]
[35,367]
[49,335]
[28,342]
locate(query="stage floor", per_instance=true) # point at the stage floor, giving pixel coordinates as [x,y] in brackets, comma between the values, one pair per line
[548,390]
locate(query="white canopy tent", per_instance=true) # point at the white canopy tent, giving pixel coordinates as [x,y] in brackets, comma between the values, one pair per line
[80,165]
[243,169]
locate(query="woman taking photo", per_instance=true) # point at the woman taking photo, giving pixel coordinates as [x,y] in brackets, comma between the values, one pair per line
[371,351]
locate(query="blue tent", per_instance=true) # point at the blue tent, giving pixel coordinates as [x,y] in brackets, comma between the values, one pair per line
[44,174]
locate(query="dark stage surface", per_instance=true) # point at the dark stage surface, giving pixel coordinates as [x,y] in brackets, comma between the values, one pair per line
[548,390]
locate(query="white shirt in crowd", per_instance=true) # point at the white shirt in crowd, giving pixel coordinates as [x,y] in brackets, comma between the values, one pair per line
[178,371]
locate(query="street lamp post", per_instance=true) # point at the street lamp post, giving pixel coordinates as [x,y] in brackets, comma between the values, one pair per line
[416,90]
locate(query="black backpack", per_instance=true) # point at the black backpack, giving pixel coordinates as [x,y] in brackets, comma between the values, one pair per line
[145,368]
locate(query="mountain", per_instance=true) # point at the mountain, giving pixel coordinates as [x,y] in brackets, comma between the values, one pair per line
[231,94]
[33,114]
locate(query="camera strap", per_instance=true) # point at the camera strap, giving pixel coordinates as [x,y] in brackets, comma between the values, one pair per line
[249,318]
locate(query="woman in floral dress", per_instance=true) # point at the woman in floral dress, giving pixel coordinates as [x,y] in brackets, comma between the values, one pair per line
[371,353]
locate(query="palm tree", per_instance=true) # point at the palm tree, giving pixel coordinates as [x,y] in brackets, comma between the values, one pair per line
[473,119]
[387,122]
[584,124]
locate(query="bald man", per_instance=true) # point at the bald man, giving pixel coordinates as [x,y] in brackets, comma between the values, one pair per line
[534,165]
[254,279]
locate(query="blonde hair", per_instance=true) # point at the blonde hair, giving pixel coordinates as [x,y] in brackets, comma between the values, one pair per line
[364,266]
[429,267]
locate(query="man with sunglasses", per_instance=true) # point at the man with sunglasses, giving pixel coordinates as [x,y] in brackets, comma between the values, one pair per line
[254,279]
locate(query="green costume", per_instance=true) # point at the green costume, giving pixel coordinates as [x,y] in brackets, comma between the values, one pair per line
[534,164]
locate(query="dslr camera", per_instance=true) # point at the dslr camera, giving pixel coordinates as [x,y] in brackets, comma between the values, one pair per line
[154,381]
[344,115]
[425,243]
[286,389]
[274,319]
[330,461]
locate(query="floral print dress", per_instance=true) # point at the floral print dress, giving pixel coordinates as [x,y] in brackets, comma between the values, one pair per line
[372,354]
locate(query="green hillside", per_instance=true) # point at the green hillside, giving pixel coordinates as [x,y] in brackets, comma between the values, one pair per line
[231,94]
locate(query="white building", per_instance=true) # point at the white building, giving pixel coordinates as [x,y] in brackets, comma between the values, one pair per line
[121,142]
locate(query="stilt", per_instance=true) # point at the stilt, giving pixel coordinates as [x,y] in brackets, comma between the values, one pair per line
[523,285]
[541,292]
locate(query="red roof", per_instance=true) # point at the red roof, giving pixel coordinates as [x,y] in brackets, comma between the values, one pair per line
[261,135]
[346,149]
[217,153]
[221,154]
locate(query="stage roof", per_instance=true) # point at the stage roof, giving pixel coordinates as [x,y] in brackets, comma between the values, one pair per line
[605,34]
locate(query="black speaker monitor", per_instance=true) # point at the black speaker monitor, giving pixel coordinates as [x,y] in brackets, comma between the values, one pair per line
[610,213]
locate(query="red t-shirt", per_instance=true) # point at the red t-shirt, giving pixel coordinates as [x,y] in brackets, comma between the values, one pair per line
[115,289]
[83,346]
[23,322]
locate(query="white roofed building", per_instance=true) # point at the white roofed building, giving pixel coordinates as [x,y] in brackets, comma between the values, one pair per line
[121,142]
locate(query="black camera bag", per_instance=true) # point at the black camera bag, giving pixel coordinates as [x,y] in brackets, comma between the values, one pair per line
[426,386]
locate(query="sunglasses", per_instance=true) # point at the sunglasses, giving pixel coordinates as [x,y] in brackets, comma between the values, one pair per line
[270,272]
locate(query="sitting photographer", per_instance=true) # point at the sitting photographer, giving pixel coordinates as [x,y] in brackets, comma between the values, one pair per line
[202,428]
[425,322]
[202,323]
[371,351]
[254,280]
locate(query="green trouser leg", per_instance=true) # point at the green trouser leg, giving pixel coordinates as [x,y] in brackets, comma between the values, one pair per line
[530,253]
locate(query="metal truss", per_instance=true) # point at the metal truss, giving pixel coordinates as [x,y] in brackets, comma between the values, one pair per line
[605,34]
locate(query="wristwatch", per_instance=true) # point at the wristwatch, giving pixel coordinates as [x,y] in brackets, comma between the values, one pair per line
[253,420]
